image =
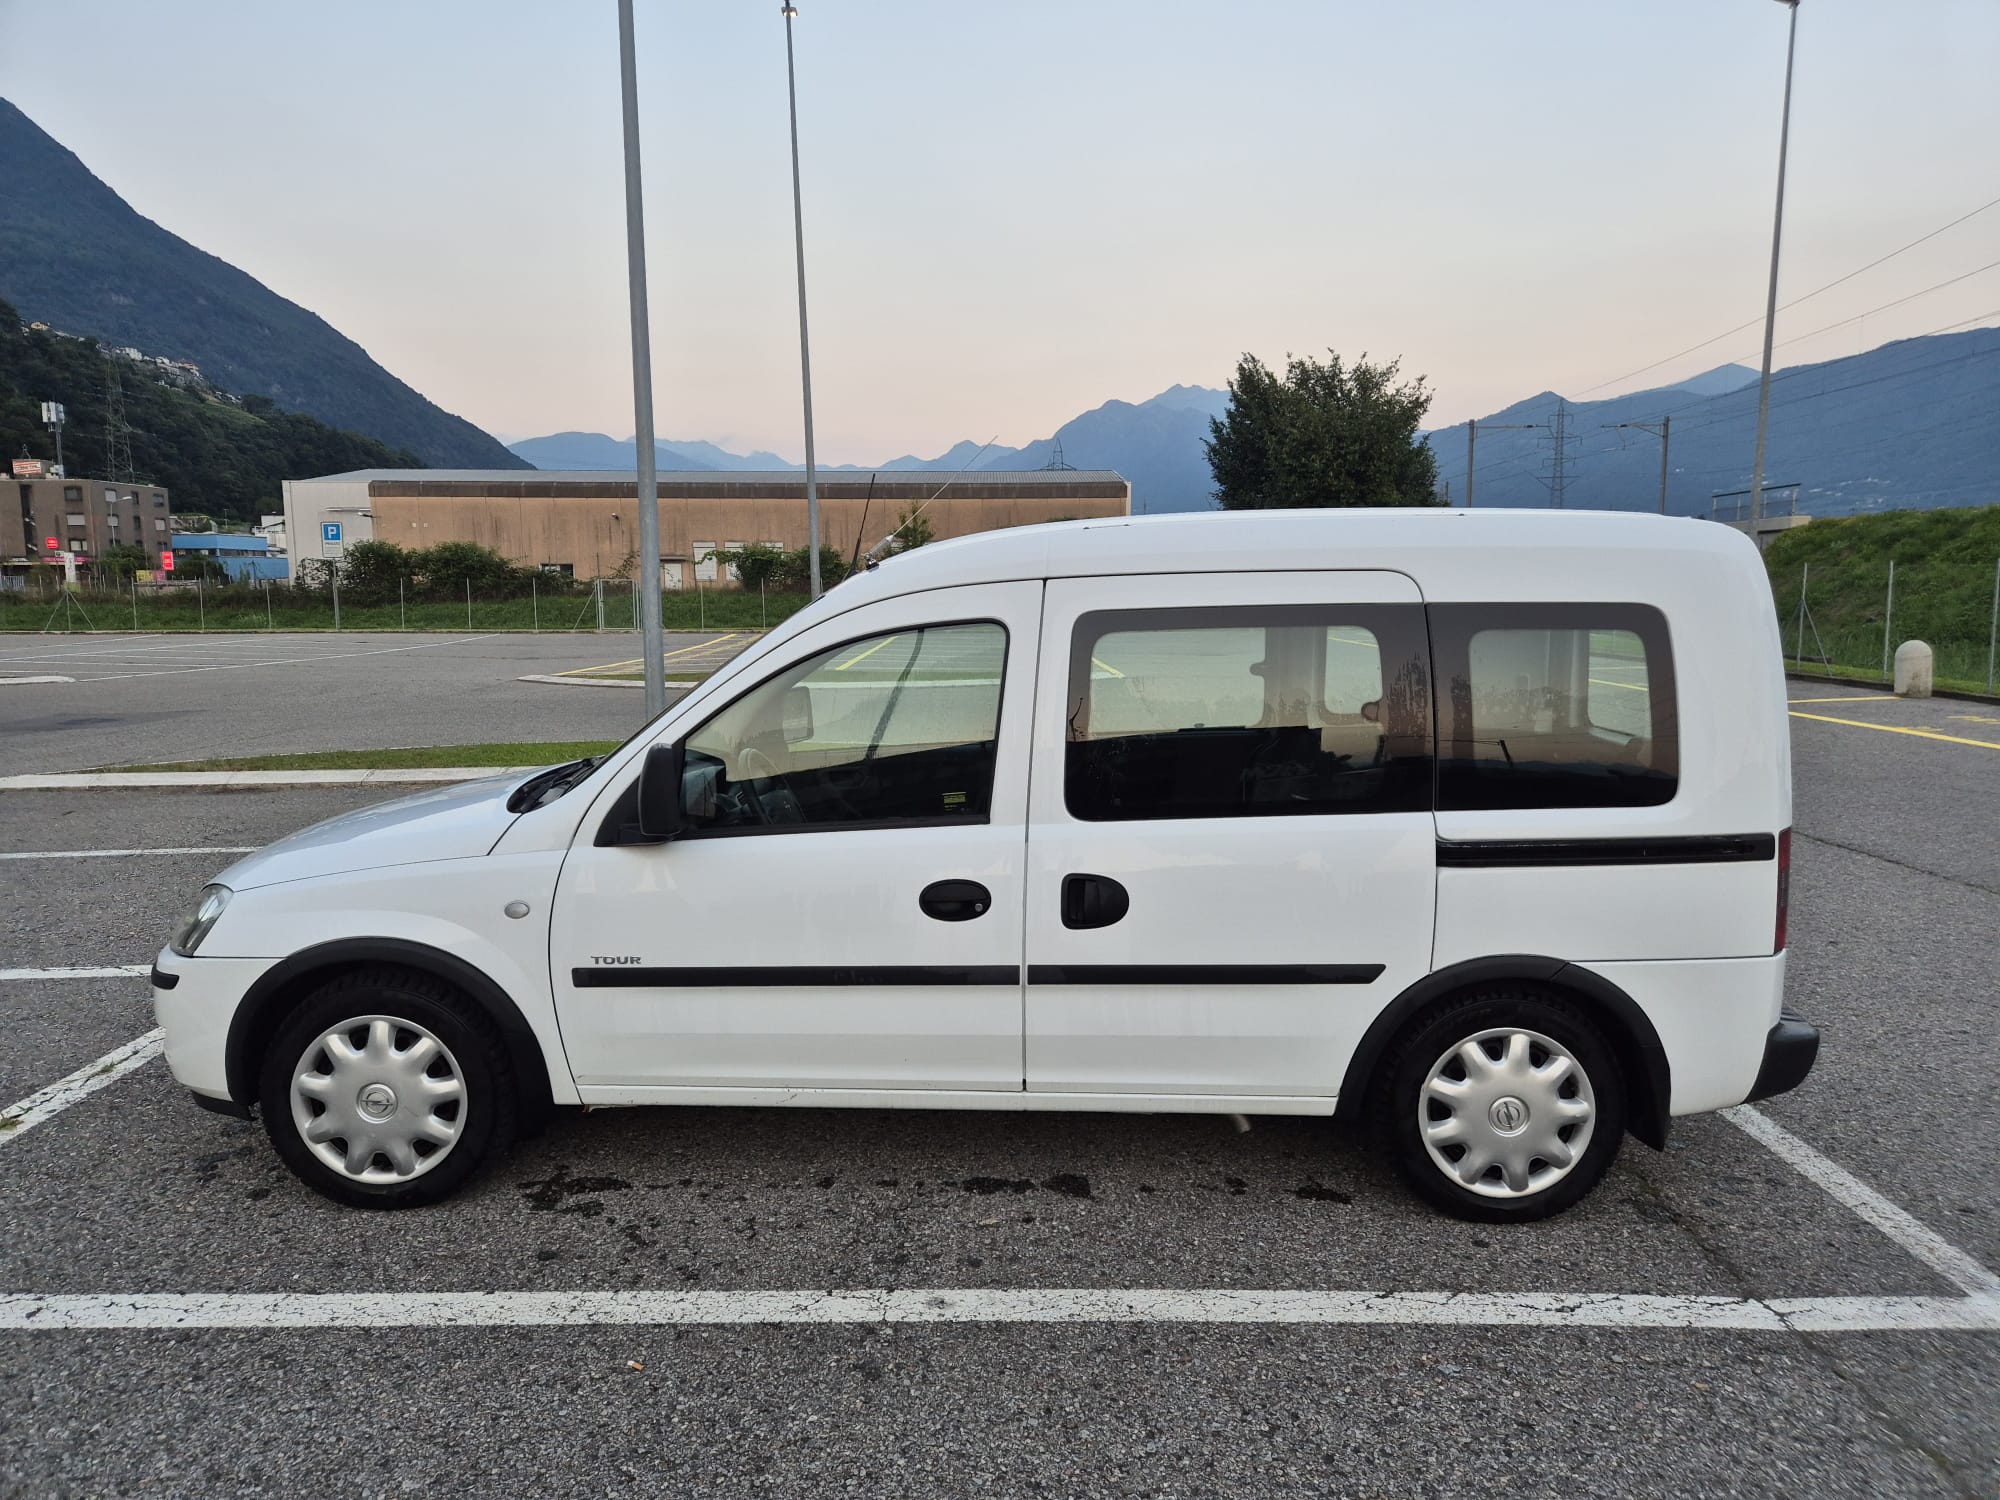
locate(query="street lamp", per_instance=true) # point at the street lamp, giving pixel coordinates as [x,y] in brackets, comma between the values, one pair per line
[652,642]
[789,11]
[1771,301]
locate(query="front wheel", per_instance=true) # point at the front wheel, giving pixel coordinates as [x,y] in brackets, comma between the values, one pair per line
[1502,1105]
[386,1089]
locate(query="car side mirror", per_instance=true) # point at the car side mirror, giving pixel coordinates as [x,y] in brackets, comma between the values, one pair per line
[660,815]
[798,715]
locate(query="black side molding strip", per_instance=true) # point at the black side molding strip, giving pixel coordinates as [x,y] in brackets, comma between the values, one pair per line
[162,980]
[817,976]
[830,976]
[1711,849]
[1204,973]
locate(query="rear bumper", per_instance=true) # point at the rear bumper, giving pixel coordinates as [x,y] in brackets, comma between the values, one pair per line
[1789,1053]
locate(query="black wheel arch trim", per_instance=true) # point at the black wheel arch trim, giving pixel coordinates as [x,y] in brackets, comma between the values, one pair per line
[264,1005]
[1638,1043]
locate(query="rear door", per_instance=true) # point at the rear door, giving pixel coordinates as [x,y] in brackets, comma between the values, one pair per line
[1231,849]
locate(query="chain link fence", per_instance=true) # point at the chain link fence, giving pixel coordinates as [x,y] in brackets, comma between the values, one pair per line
[552,604]
[1844,627]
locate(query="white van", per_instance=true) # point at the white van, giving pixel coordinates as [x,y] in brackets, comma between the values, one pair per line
[1471,827]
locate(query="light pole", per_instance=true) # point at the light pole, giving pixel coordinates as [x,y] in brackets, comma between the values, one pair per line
[652,644]
[805,351]
[1771,301]
[1663,430]
[1472,446]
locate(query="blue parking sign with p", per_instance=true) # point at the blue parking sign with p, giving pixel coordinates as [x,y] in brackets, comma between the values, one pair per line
[329,531]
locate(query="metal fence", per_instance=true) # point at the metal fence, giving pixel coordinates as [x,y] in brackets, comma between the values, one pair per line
[48,605]
[1851,627]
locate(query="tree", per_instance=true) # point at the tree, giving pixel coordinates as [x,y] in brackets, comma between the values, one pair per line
[756,565]
[1322,435]
[913,530]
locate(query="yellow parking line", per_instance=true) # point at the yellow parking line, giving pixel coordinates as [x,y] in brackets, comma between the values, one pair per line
[640,661]
[1922,734]
[1853,698]
[702,646]
[1630,687]
[1105,666]
[1977,718]
[863,656]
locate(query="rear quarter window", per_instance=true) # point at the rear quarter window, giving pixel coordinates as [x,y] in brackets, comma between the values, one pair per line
[1554,706]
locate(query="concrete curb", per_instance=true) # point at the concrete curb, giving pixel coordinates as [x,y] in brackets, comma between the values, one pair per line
[610,682]
[63,781]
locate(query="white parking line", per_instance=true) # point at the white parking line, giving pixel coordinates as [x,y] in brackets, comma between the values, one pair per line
[17,1120]
[104,971]
[121,853]
[165,1310]
[286,661]
[1950,1262]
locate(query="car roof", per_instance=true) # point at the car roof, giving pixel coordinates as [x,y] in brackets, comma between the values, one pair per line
[1451,552]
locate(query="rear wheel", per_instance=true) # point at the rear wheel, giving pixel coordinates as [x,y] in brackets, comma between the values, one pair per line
[1501,1105]
[386,1089]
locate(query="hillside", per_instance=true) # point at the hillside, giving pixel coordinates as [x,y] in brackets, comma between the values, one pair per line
[1907,425]
[73,254]
[214,457]
[1945,564]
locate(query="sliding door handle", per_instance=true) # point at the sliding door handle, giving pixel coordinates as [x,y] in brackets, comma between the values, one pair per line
[1093,901]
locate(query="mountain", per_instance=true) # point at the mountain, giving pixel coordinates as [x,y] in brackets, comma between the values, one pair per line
[74,255]
[217,456]
[1717,382]
[1906,426]
[1157,444]
[596,450]
[1154,443]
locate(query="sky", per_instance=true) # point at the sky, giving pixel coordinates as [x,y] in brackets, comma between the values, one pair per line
[1018,210]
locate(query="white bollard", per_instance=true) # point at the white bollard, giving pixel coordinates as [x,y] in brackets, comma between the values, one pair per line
[1913,670]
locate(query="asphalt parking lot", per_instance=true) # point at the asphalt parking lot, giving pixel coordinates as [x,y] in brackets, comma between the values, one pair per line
[144,699]
[959,1304]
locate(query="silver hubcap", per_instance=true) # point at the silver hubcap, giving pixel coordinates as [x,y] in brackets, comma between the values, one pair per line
[1506,1113]
[378,1099]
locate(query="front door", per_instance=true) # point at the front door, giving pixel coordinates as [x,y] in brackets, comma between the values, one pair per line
[1232,858]
[846,912]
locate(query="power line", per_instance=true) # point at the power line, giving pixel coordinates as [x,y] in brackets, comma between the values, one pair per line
[1936,287]
[1837,281]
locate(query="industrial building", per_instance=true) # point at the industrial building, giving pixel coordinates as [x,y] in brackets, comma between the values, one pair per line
[586,524]
[244,559]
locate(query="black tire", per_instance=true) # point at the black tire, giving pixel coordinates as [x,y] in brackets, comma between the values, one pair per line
[485,1120]
[1397,1103]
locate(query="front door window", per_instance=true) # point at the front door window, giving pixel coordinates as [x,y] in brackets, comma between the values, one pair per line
[898,729]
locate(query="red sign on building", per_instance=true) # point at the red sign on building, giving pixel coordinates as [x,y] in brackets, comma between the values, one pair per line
[166,562]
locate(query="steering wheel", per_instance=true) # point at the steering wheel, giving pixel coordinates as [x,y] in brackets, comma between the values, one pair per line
[778,803]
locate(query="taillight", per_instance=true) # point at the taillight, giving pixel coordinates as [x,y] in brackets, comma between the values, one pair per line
[1784,888]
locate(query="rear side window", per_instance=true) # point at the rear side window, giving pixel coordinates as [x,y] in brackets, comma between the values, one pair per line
[1248,712]
[1554,705]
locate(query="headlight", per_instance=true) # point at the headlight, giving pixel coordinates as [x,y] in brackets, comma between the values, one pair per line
[209,905]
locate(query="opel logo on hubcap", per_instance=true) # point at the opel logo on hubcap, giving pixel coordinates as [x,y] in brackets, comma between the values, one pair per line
[1508,1115]
[378,1101]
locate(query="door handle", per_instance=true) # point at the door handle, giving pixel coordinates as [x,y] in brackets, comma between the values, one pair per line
[1093,901]
[955,900]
